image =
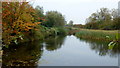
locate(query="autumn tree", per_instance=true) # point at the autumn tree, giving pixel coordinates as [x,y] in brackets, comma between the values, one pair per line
[17,19]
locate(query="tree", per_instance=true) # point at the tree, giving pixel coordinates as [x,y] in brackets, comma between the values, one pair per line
[100,20]
[116,23]
[17,19]
[54,19]
[39,14]
[114,13]
[70,23]
[115,19]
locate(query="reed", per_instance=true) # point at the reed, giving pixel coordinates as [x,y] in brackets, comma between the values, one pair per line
[107,35]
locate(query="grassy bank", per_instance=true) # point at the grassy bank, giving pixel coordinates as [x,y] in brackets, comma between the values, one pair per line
[106,35]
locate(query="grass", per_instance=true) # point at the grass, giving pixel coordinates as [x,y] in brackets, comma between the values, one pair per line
[106,35]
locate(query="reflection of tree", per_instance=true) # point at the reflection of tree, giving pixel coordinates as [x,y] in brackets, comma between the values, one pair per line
[53,43]
[102,47]
[25,54]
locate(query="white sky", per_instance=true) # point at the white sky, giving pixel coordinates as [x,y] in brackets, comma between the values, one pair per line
[76,10]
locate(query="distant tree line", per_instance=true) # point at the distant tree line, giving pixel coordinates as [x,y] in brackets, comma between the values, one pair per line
[104,19]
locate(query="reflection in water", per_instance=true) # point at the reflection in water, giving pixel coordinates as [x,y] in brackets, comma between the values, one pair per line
[29,54]
[76,52]
[25,54]
[54,43]
[102,48]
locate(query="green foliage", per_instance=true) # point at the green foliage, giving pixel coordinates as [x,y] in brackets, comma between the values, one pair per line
[57,31]
[104,19]
[54,19]
[91,26]
[38,34]
[61,31]
[116,23]
[115,41]
[39,11]
[111,45]
[39,14]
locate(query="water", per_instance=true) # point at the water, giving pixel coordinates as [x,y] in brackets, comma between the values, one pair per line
[62,51]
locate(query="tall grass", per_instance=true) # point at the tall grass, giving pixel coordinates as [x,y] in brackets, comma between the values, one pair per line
[97,34]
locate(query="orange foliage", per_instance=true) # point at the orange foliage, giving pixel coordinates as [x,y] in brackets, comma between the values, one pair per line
[16,18]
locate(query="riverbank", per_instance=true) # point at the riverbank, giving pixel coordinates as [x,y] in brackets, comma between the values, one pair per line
[106,35]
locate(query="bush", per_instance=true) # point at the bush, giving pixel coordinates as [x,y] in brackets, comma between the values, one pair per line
[61,31]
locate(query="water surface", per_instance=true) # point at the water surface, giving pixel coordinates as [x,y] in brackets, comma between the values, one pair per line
[62,51]
[76,52]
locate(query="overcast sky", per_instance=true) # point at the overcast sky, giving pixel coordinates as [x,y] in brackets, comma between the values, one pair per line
[76,10]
